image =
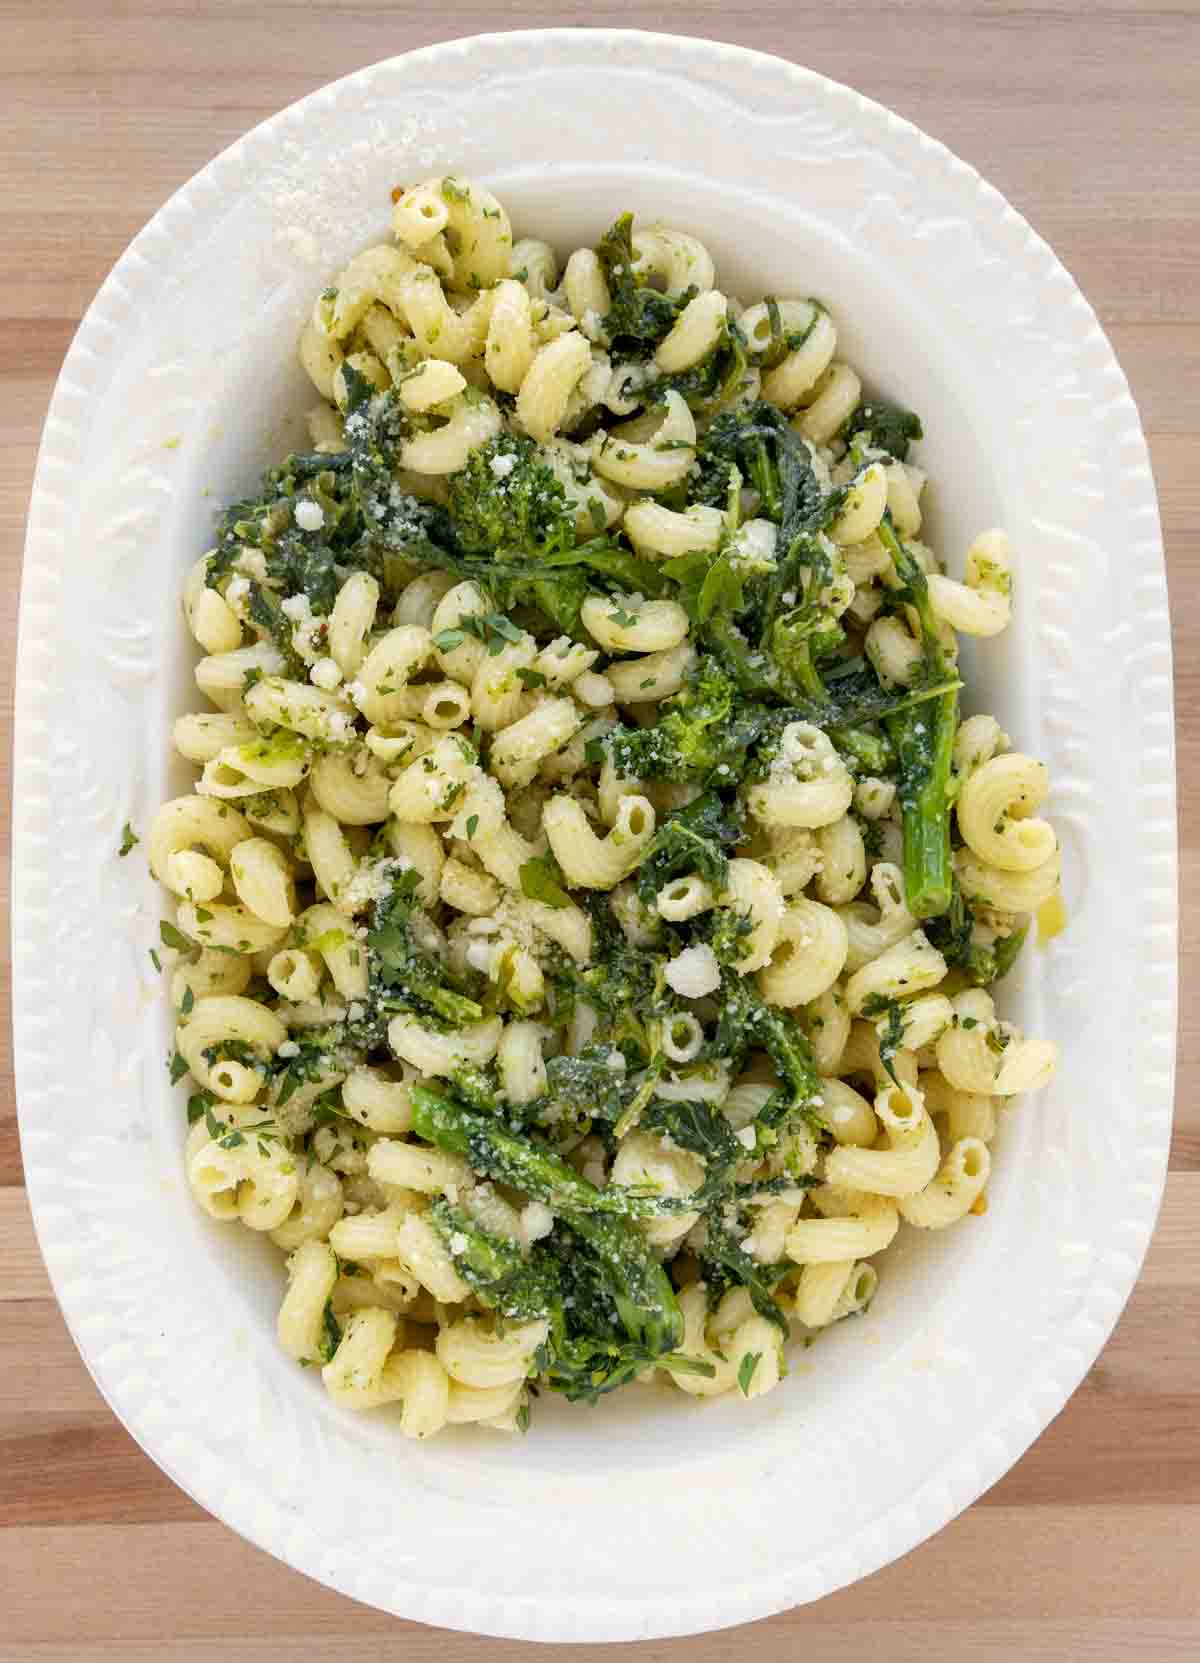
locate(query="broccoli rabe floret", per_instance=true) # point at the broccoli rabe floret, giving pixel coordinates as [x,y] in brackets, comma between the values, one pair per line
[507,501]
[700,737]
[953,934]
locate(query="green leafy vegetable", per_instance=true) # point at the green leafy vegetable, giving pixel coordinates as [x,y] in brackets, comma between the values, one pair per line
[885,426]
[541,880]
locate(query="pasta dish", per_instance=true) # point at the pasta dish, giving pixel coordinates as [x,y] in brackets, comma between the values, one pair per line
[589,904]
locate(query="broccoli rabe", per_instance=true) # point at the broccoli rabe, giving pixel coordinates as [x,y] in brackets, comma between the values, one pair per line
[884,426]
[727,1265]
[638,316]
[692,839]
[405,973]
[507,501]
[701,736]
[502,1277]
[747,1022]
[622,984]
[526,1163]
[924,741]
[610,1305]
[953,935]
[771,625]
[585,1087]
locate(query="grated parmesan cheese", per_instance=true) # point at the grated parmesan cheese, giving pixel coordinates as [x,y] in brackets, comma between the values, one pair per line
[694,972]
[310,516]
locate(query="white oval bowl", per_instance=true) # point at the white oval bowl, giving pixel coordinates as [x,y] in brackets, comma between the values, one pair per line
[650,1515]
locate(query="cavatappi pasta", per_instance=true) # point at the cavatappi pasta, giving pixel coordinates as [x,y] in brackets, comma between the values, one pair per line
[587,906]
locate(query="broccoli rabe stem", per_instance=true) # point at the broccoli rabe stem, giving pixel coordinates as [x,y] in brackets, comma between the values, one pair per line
[645,1300]
[924,741]
[532,1168]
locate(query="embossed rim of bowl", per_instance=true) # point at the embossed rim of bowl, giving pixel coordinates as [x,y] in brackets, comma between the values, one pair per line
[49,1071]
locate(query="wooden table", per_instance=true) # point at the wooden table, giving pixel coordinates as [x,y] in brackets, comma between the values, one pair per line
[1084,113]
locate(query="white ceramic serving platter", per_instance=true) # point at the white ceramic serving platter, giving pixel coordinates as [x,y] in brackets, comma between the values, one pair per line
[651,1515]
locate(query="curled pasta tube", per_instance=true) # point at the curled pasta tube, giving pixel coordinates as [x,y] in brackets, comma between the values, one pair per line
[659,533]
[475,1356]
[429,788]
[233,928]
[213,622]
[475,1405]
[910,966]
[977,741]
[820,1290]
[482,233]
[328,934]
[911,1159]
[656,462]
[321,359]
[966,1114]
[693,1306]
[679,260]
[315,1211]
[836,395]
[441,1054]
[982,603]
[254,1180]
[210,972]
[809,784]
[471,421]
[696,331]
[1007,891]
[870,931]
[176,830]
[864,507]
[591,862]
[847,1113]
[509,349]
[807,956]
[546,388]
[954,1190]
[374,276]
[364,1373]
[534,264]
[312,1272]
[853,1225]
[203,735]
[217,1020]
[621,624]
[994,810]
[262,877]
[684,898]
[798,372]
[419,216]
[827,1023]
[980,1055]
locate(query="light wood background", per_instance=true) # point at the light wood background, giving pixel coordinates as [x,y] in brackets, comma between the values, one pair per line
[1086,114]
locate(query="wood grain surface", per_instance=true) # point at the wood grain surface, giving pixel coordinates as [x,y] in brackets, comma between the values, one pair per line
[1086,114]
